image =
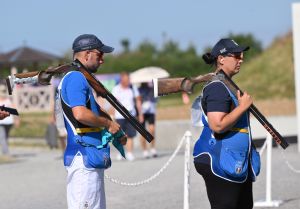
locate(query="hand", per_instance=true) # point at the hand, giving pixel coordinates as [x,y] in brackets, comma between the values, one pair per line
[113,127]
[245,101]
[16,122]
[3,114]
[123,140]
[141,118]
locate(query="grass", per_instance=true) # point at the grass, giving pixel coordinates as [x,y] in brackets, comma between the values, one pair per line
[270,75]
[32,125]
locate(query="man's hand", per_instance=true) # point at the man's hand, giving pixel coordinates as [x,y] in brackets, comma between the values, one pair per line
[123,140]
[3,114]
[141,118]
[113,127]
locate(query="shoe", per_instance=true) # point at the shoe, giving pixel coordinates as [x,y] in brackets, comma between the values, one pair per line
[119,157]
[129,156]
[153,152]
[146,154]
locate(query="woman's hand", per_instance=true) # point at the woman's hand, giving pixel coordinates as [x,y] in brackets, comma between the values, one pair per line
[245,100]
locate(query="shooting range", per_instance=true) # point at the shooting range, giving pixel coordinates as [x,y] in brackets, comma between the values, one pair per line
[160,45]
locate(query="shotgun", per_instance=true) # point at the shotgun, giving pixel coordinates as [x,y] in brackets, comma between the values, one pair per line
[165,86]
[44,77]
[172,85]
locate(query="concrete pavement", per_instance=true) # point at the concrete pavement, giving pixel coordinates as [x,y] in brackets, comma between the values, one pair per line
[36,180]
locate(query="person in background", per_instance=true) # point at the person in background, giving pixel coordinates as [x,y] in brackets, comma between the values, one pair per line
[149,111]
[7,121]
[57,120]
[129,97]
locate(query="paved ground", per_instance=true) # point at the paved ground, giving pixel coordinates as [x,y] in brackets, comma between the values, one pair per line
[36,180]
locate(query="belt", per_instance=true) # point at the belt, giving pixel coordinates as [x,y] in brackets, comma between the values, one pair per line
[87,130]
[241,130]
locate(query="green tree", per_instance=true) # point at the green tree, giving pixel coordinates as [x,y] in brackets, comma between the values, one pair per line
[126,45]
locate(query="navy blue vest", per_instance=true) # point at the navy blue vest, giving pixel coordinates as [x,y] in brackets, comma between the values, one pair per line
[231,154]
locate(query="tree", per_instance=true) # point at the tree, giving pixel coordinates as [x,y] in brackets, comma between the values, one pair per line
[147,47]
[126,45]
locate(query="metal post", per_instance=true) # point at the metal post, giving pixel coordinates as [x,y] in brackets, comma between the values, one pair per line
[187,166]
[269,169]
[296,41]
[268,202]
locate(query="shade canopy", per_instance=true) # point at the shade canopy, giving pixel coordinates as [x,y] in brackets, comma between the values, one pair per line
[146,74]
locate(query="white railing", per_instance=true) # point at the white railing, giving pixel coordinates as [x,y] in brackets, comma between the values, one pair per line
[268,202]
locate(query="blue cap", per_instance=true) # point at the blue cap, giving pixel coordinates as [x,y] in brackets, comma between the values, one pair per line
[88,42]
[225,46]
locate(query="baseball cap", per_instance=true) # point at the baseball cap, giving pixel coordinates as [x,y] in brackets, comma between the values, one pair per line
[88,42]
[225,46]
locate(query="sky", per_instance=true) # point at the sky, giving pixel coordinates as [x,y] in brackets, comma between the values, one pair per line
[52,26]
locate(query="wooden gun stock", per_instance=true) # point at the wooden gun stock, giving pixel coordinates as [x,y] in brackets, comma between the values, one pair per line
[165,86]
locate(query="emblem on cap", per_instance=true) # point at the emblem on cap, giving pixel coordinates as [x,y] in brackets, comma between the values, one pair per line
[223,50]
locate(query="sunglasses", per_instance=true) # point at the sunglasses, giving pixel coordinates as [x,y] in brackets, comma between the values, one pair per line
[99,54]
[235,55]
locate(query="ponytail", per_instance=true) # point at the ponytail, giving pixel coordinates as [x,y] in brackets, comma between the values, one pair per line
[208,58]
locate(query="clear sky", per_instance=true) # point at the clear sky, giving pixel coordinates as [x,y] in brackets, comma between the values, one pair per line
[52,25]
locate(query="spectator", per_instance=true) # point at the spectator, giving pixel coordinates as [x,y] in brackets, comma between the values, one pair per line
[56,128]
[148,110]
[7,122]
[129,97]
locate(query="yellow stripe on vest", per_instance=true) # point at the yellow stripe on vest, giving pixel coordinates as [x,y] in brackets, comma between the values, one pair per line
[87,130]
[241,130]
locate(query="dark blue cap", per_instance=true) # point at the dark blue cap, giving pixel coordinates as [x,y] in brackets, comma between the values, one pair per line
[88,42]
[225,46]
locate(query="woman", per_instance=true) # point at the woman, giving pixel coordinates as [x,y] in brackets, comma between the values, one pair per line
[224,154]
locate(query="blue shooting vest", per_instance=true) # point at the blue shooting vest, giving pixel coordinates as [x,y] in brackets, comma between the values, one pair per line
[232,155]
[89,142]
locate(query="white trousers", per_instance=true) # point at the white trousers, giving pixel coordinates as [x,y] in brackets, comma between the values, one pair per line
[85,187]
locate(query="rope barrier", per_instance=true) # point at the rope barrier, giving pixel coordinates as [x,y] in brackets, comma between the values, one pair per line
[151,178]
[289,165]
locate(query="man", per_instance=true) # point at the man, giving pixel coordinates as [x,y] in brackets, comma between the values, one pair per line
[85,122]
[129,97]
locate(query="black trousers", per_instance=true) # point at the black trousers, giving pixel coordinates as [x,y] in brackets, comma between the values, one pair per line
[223,194]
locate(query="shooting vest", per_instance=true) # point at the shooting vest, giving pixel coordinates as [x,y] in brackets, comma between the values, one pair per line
[90,142]
[231,154]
